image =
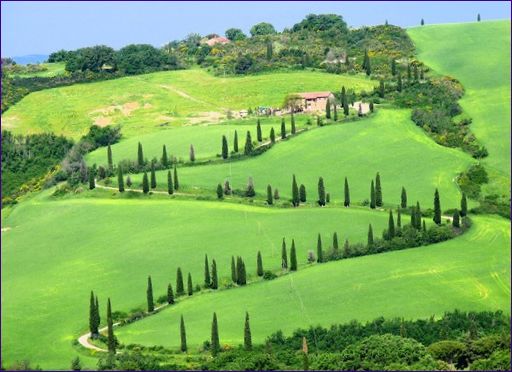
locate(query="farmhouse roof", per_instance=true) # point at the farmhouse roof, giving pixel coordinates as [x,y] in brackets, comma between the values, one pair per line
[315,95]
[217,40]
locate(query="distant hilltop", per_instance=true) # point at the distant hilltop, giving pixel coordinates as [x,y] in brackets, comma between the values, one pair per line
[30,59]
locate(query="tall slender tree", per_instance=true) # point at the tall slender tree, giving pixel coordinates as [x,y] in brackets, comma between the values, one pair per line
[398,218]
[284,256]
[346,202]
[327,109]
[92,183]
[192,154]
[321,192]
[145,183]
[207,277]
[247,333]
[393,67]
[391,226]
[180,288]
[456,219]
[233,270]
[120,179]
[334,112]
[170,186]
[370,235]
[403,198]
[215,276]
[215,343]
[293,257]
[235,142]
[344,101]
[378,191]
[225,150]
[335,246]
[270,199]
[302,193]
[258,131]
[418,216]
[93,328]
[292,120]
[149,295]
[98,320]
[248,144]
[283,129]
[437,208]
[165,159]
[463,205]
[478,18]
[183,335]
[140,156]
[372,196]
[295,192]
[176,182]
[220,191]
[319,250]
[109,158]
[259,264]
[153,175]
[272,135]
[170,294]
[190,287]
[111,340]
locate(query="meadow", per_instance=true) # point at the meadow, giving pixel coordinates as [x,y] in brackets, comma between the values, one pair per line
[468,273]
[145,103]
[52,69]
[388,143]
[476,55]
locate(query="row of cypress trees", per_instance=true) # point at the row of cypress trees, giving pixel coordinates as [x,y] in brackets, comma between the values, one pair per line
[94,322]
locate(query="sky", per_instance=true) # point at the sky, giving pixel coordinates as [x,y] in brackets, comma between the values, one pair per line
[44,27]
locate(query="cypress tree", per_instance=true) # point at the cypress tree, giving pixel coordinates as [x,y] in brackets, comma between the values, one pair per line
[284,256]
[327,198]
[372,196]
[378,191]
[165,159]
[456,219]
[259,265]
[413,216]
[140,156]
[180,288]
[478,19]
[327,109]
[247,333]
[334,112]
[276,194]
[293,257]
[437,208]
[183,335]
[346,202]
[111,340]
[207,278]
[109,158]
[393,67]
[233,270]
[145,183]
[295,192]
[370,235]
[220,191]
[248,144]
[463,205]
[92,317]
[344,101]
[235,142]
[153,175]
[98,320]
[272,135]
[403,198]
[170,186]
[368,66]
[120,179]
[225,150]
[398,218]
[170,294]
[149,294]
[190,288]
[319,251]
[241,273]
[215,277]
[399,84]
[321,192]
[258,131]
[302,193]
[270,200]
[192,153]
[391,226]
[335,246]
[371,106]
[381,89]
[283,129]
[128,181]
[92,184]
[292,120]
[417,217]
[176,182]
[215,343]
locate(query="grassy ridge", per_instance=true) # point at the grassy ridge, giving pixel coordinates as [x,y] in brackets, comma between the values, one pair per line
[55,252]
[388,143]
[145,103]
[478,54]
[470,273]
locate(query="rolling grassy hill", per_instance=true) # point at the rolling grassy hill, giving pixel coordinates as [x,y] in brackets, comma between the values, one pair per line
[55,251]
[468,273]
[388,143]
[478,54]
[145,103]
[52,69]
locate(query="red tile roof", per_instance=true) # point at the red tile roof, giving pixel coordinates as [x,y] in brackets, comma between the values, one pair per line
[217,40]
[314,95]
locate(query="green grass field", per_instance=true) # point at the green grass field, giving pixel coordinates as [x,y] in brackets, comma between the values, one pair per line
[478,54]
[145,103]
[47,273]
[388,143]
[468,273]
[52,69]
[207,139]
